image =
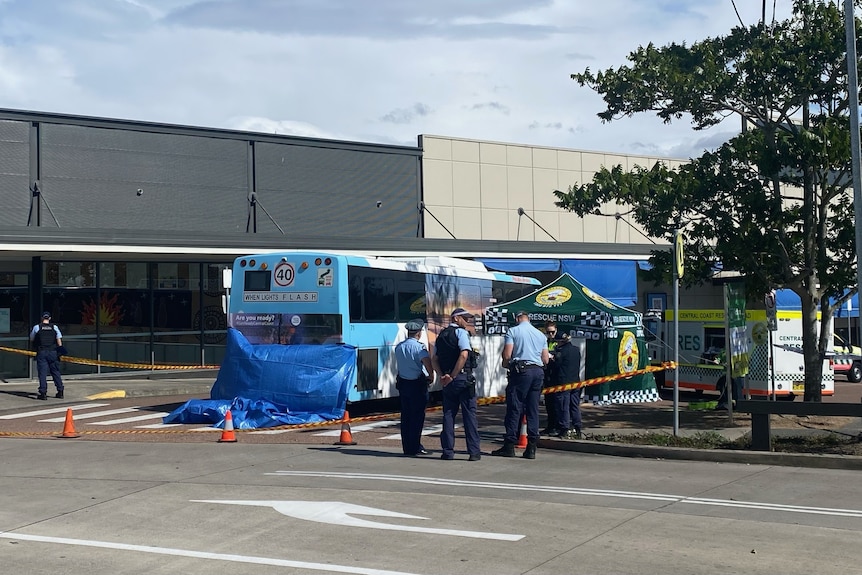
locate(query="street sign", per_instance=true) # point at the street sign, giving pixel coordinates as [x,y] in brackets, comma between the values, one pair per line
[771,318]
[678,253]
[284,274]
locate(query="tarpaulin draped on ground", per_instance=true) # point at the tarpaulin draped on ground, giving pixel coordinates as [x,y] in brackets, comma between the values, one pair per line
[270,385]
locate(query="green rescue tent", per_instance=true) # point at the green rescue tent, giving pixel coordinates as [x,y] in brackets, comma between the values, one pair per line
[614,336]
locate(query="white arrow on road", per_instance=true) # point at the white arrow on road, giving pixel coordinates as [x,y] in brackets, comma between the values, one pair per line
[339,513]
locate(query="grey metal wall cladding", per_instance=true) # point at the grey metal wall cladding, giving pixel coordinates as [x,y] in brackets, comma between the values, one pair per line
[90,178]
[323,191]
[14,173]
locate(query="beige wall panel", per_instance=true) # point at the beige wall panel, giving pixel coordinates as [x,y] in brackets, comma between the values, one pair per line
[592,162]
[494,186]
[446,216]
[545,158]
[550,220]
[544,184]
[519,156]
[629,162]
[492,153]
[612,160]
[521,229]
[436,148]
[520,188]
[495,225]
[619,231]
[571,228]
[595,229]
[465,151]
[468,224]
[566,178]
[466,184]
[437,182]
[570,160]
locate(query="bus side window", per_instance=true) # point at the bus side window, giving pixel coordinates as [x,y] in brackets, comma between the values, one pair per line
[379,295]
[355,296]
[411,299]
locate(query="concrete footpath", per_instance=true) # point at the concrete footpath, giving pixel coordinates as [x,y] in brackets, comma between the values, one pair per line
[655,417]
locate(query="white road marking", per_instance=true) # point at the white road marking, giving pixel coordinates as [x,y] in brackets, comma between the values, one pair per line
[326,567]
[271,431]
[158,426]
[91,415]
[152,415]
[49,411]
[583,491]
[340,513]
[355,428]
[426,431]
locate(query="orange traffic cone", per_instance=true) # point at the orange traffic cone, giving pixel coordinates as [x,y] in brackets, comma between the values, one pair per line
[227,434]
[522,438]
[69,426]
[346,437]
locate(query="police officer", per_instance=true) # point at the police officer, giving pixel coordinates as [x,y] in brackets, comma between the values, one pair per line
[46,337]
[453,360]
[525,354]
[567,357]
[412,382]
[552,428]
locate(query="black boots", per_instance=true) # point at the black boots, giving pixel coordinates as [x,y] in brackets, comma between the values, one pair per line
[530,451]
[508,450]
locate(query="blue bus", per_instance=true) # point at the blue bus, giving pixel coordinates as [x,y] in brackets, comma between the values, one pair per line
[321,298]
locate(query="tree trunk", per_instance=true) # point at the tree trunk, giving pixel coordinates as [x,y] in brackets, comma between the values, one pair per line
[811,349]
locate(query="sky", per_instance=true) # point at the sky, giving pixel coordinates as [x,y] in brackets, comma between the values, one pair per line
[381,71]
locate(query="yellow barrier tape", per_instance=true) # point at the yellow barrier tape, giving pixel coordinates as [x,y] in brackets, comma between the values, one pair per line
[331,423]
[106,363]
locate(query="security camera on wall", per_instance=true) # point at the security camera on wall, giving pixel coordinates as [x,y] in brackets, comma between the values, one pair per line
[140,192]
[379,203]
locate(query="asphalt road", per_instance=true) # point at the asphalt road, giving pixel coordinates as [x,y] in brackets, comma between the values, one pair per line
[202,508]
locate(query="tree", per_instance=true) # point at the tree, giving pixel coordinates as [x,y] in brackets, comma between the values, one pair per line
[774,202]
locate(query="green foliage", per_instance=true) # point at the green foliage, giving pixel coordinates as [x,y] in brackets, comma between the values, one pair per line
[774,203]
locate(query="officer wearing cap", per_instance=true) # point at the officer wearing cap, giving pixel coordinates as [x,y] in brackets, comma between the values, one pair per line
[46,337]
[415,373]
[452,354]
[525,354]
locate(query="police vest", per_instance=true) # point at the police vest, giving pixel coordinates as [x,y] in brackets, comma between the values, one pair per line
[448,351]
[46,336]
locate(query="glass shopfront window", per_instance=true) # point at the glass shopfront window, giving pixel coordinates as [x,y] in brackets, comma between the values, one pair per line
[15,322]
[123,313]
[133,312]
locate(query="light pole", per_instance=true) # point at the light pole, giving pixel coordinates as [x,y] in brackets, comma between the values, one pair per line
[853,94]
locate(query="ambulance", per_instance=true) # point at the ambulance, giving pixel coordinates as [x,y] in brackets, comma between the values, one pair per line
[777,366]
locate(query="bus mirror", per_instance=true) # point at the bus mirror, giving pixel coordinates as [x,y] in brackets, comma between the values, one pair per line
[226,278]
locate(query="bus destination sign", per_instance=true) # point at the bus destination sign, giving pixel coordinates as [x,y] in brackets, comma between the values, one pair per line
[280,296]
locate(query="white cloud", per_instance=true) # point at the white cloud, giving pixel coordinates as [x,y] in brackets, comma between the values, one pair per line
[367,70]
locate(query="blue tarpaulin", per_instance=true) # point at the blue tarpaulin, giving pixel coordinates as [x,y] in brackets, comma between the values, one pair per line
[270,385]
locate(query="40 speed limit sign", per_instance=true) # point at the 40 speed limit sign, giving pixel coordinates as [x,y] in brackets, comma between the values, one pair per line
[284,274]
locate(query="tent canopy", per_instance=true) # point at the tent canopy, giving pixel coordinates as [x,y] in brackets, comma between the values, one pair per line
[567,301]
[614,339]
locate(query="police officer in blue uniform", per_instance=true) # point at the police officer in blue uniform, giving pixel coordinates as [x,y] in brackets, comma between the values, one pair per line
[411,358]
[46,337]
[454,361]
[525,355]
